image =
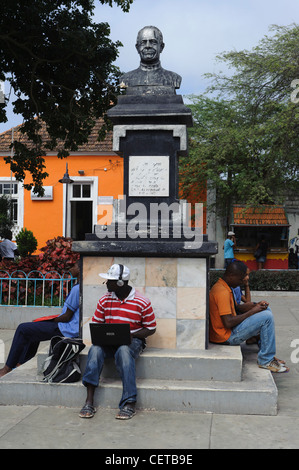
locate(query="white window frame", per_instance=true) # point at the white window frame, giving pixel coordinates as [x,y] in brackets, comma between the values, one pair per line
[93,181]
[20,198]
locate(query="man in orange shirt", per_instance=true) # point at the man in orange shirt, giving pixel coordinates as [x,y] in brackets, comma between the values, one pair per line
[226,327]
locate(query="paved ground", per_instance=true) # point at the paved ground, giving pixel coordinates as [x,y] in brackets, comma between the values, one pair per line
[37,427]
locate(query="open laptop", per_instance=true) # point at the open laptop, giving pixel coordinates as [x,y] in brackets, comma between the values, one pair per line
[110,334]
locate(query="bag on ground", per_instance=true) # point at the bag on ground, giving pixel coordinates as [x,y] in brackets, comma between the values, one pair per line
[62,363]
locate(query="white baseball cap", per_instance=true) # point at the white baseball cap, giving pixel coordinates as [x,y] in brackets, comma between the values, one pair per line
[230,234]
[114,272]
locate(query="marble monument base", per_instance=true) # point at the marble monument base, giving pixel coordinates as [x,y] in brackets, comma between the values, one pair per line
[177,288]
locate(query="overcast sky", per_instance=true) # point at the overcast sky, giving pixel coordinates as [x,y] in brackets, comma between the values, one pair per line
[194,32]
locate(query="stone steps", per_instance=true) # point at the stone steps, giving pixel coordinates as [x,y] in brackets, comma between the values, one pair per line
[252,392]
[219,363]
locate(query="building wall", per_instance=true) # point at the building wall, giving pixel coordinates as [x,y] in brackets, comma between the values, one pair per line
[45,218]
[273,261]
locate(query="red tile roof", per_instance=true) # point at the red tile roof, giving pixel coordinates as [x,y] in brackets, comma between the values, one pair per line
[262,215]
[93,145]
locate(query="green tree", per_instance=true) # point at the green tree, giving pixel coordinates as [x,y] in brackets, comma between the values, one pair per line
[245,140]
[59,63]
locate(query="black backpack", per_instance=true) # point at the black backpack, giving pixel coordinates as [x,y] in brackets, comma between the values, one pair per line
[62,363]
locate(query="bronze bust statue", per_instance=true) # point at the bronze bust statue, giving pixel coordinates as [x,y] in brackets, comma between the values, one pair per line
[150,78]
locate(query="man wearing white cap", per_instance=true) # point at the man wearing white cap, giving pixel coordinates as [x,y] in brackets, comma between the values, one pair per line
[229,245]
[121,304]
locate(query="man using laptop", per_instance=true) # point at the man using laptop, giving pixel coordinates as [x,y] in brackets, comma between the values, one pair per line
[121,304]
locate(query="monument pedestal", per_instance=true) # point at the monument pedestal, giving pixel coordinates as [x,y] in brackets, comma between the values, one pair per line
[167,265]
[176,282]
[150,133]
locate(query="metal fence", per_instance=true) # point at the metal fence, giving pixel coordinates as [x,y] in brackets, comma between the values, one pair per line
[34,289]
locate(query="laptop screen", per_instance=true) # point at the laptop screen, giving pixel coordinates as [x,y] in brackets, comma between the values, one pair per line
[110,334]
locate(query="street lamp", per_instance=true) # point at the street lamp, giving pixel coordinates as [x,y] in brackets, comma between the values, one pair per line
[66,180]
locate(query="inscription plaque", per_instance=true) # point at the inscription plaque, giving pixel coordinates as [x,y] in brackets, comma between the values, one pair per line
[149,176]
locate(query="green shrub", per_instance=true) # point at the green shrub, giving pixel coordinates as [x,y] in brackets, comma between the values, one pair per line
[215,274]
[26,241]
[285,280]
[269,280]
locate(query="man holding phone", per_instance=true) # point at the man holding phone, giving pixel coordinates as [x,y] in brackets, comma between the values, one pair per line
[226,327]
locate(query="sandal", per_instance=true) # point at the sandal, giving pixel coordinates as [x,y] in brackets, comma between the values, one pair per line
[279,360]
[275,366]
[127,412]
[88,411]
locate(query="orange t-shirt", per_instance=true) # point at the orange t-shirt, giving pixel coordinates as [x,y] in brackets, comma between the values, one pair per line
[221,303]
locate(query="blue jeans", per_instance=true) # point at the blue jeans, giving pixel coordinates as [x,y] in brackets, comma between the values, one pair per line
[125,363]
[262,324]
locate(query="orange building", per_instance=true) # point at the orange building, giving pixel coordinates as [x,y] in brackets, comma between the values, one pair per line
[68,210]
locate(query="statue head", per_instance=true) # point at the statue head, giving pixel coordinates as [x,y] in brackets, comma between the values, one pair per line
[150,78]
[149,44]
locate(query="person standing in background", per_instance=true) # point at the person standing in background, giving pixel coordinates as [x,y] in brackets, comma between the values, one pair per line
[229,245]
[261,253]
[8,249]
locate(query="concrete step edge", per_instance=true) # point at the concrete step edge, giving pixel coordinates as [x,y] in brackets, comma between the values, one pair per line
[256,394]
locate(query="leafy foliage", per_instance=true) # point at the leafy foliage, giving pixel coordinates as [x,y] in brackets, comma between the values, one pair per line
[6,222]
[56,257]
[266,280]
[26,241]
[59,64]
[246,134]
